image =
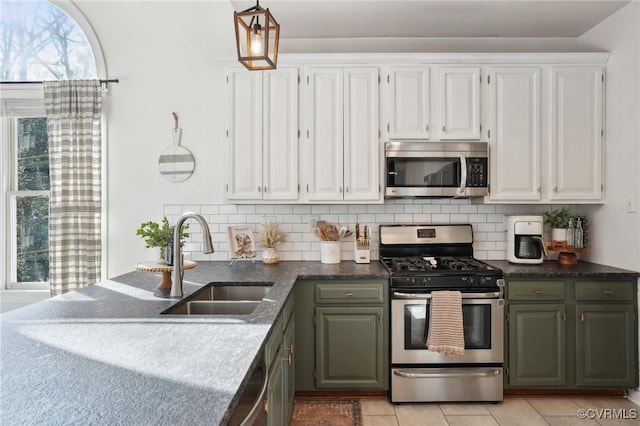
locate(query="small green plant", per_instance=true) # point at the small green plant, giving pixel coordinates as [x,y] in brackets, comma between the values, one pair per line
[156,235]
[559,218]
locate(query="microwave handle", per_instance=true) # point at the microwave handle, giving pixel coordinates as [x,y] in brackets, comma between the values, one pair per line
[463,174]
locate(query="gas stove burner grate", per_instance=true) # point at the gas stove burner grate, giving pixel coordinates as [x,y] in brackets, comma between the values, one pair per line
[430,263]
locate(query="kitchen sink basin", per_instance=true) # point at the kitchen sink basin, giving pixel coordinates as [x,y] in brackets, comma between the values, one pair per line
[222,299]
[231,292]
[214,307]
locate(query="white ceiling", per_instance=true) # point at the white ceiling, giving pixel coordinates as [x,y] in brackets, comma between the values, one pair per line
[300,19]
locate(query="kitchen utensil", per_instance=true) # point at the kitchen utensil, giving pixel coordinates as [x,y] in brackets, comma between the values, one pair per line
[342,232]
[176,164]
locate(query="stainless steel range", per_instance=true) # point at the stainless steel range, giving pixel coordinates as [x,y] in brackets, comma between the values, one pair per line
[425,258]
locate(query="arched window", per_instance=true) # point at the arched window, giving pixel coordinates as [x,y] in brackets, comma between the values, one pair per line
[40,41]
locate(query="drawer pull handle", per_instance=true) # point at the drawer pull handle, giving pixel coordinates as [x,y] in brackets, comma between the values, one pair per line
[539,292]
[608,292]
[289,348]
[582,317]
[348,293]
[564,317]
[287,359]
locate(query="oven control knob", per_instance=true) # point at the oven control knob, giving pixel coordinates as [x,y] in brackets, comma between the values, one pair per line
[425,281]
[412,281]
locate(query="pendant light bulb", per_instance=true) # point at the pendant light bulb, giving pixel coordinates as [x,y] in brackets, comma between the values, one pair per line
[257,43]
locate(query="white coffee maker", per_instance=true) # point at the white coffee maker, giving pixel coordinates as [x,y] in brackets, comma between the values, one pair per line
[524,239]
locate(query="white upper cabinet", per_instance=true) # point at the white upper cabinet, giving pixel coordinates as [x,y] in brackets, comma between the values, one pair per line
[263,135]
[245,135]
[361,142]
[343,144]
[459,103]
[514,142]
[280,140]
[324,99]
[576,132]
[409,103]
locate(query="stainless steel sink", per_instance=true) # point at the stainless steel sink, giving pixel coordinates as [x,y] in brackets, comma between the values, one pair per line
[222,299]
[232,292]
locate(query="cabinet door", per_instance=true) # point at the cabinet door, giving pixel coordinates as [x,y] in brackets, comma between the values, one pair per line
[576,133]
[460,103]
[275,393]
[537,345]
[409,103]
[324,99]
[288,353]
[280,142]
[605,346]
[361,147]
[349,347]
[514,98]
[245,135]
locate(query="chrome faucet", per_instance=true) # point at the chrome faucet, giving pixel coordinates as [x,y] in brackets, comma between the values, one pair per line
[176,274]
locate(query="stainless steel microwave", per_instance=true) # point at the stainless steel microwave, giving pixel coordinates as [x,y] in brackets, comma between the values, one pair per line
[436,169]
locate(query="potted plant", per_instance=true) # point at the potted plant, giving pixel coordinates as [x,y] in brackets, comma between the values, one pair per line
[559,222]
[268,237]
[160,235]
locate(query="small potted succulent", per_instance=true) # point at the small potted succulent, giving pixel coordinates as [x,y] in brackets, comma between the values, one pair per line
[559,222]
[161,236]
[268,237]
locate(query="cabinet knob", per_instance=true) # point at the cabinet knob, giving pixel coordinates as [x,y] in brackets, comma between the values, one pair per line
[289,348]
[607,292]
[555,189]
[426,128]
[348,293]
[444,129]
[539,292]
[287,359]
[265,189]
[259,189]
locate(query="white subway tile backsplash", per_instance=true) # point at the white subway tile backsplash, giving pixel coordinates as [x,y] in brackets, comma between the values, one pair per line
[488,222]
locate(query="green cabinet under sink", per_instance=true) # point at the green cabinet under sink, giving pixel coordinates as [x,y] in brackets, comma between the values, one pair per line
[571,334]
[279,357]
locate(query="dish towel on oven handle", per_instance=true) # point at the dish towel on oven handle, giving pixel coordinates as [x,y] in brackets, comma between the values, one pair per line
[446,333]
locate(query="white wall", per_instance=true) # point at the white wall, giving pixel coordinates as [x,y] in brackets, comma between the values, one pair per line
[615,236]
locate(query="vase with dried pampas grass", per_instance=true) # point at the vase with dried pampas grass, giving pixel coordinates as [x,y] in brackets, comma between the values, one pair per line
[268,237]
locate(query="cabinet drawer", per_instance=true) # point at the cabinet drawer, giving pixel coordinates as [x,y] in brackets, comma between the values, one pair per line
[535,290]
[605,290]
[326,293]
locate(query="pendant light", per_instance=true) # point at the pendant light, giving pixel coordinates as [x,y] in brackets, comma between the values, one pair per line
[257,36]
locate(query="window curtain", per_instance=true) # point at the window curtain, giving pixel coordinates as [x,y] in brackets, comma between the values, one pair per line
[74,111]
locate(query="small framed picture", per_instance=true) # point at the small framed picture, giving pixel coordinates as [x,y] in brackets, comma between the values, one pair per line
[241,242]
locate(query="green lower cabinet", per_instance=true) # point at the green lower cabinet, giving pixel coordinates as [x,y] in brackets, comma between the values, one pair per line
[537,345]
[349,347]
[275,394]
[571,334]
[279,353]
[605,339]
[288,369]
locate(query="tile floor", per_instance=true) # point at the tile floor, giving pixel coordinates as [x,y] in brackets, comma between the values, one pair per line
[513,411]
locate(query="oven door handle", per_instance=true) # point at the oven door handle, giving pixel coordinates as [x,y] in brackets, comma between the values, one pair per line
[462,374]
[426,296]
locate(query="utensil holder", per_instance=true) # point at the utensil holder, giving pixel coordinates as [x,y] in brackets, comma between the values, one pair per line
[330,251]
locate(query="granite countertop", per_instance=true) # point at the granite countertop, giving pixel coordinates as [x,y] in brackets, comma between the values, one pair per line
[552,269]
[105,355]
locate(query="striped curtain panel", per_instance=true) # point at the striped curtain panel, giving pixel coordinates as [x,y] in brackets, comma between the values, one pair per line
[74,110]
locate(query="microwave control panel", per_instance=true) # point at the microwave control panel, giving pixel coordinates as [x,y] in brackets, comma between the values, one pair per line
[477,172]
